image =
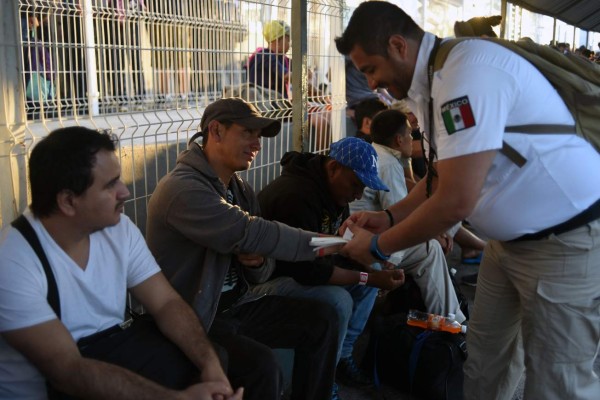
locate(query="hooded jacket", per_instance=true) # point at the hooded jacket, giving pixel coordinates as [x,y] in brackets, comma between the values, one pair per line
[301,197]
[194,233]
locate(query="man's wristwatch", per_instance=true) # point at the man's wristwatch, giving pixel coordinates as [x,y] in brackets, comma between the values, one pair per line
[375,251]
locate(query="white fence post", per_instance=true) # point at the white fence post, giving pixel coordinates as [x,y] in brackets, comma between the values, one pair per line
[13,181]
[90,58]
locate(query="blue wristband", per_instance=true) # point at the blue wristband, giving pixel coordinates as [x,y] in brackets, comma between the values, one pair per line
[376,251]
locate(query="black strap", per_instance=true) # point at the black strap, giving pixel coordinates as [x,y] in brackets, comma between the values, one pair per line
[22,225]
[513,154]
[194,137]
[432,155]
[588,215]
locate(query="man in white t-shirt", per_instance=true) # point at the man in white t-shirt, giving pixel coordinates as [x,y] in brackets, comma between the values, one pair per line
[95,254]
[537,305]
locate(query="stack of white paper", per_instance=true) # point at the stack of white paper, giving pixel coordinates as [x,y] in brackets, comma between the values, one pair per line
[326,241]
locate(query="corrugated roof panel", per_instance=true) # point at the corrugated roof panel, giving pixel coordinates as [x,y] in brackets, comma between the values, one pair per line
[584,14]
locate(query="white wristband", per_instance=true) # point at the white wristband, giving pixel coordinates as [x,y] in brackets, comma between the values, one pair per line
[364,277]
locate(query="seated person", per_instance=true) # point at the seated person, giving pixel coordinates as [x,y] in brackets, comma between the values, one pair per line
[471,246]
[365,111]
[312,193]
[205,232]
[425,262]
[269,67]
[418,162]
[95,254]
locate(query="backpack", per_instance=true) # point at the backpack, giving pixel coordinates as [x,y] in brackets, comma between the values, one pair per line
[426,364]
[575,79]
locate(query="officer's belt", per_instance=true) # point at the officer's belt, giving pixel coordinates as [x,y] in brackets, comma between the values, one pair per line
[590,214]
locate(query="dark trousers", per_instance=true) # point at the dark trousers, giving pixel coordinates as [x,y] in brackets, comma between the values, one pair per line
[142,349]
[250,331]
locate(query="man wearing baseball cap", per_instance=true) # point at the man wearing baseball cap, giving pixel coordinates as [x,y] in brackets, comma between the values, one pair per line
[313,193]
[204,230]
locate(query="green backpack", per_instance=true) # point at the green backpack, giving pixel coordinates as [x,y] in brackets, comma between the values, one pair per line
[576,80]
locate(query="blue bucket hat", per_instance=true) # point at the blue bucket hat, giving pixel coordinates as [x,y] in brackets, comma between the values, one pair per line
[361,158]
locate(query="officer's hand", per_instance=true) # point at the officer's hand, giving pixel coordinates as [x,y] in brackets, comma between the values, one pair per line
[373,221]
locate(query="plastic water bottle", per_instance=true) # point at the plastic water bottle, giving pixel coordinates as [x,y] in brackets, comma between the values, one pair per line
[435,322]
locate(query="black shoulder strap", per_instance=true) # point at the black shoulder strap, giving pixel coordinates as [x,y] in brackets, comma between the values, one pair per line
[22,225]
[432,154]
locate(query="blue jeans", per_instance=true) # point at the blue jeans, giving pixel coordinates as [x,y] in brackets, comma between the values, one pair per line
[353,304]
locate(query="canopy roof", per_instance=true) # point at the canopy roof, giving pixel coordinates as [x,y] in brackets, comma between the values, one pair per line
[584,14]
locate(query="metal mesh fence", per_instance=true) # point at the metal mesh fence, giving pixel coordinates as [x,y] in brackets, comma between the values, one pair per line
[146,69]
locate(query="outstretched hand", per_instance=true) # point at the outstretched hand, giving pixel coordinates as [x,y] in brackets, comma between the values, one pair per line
[373,221]
[357,249]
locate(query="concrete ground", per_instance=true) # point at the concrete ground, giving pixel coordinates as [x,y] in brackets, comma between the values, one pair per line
[388,393]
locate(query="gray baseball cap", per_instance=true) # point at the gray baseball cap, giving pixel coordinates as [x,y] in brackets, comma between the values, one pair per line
[240,112]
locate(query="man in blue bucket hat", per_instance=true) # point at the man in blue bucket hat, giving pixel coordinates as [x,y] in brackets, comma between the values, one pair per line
[313,193]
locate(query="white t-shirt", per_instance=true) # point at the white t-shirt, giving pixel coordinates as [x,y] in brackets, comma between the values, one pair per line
[90,300]
[500,89]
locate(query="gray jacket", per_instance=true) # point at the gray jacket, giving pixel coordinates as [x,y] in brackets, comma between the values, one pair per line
[194,233]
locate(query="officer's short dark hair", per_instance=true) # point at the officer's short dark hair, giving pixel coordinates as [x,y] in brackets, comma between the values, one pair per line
[371,26]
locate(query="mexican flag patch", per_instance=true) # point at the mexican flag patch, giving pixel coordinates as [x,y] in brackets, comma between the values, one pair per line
[457,115]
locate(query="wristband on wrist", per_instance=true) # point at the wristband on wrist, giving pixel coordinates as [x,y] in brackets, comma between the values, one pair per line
[364,277]
[376,251]
[390,216]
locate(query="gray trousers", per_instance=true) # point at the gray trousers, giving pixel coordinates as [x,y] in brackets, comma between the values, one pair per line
[429,269]
[537,308]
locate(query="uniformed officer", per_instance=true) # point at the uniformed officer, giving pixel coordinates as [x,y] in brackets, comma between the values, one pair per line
[538,302]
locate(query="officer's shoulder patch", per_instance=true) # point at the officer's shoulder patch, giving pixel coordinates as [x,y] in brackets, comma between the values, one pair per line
[457,115]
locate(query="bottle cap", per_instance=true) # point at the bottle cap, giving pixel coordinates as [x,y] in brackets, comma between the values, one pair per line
[463,329]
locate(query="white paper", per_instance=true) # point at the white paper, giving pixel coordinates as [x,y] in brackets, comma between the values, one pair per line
[348,235]
[326,241]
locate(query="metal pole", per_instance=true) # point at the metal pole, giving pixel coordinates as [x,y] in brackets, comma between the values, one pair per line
[90,58]
[503,12]
[587,39]
[13,177]
[299,74]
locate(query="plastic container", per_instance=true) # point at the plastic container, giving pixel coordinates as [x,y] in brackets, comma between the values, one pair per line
[434,322]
